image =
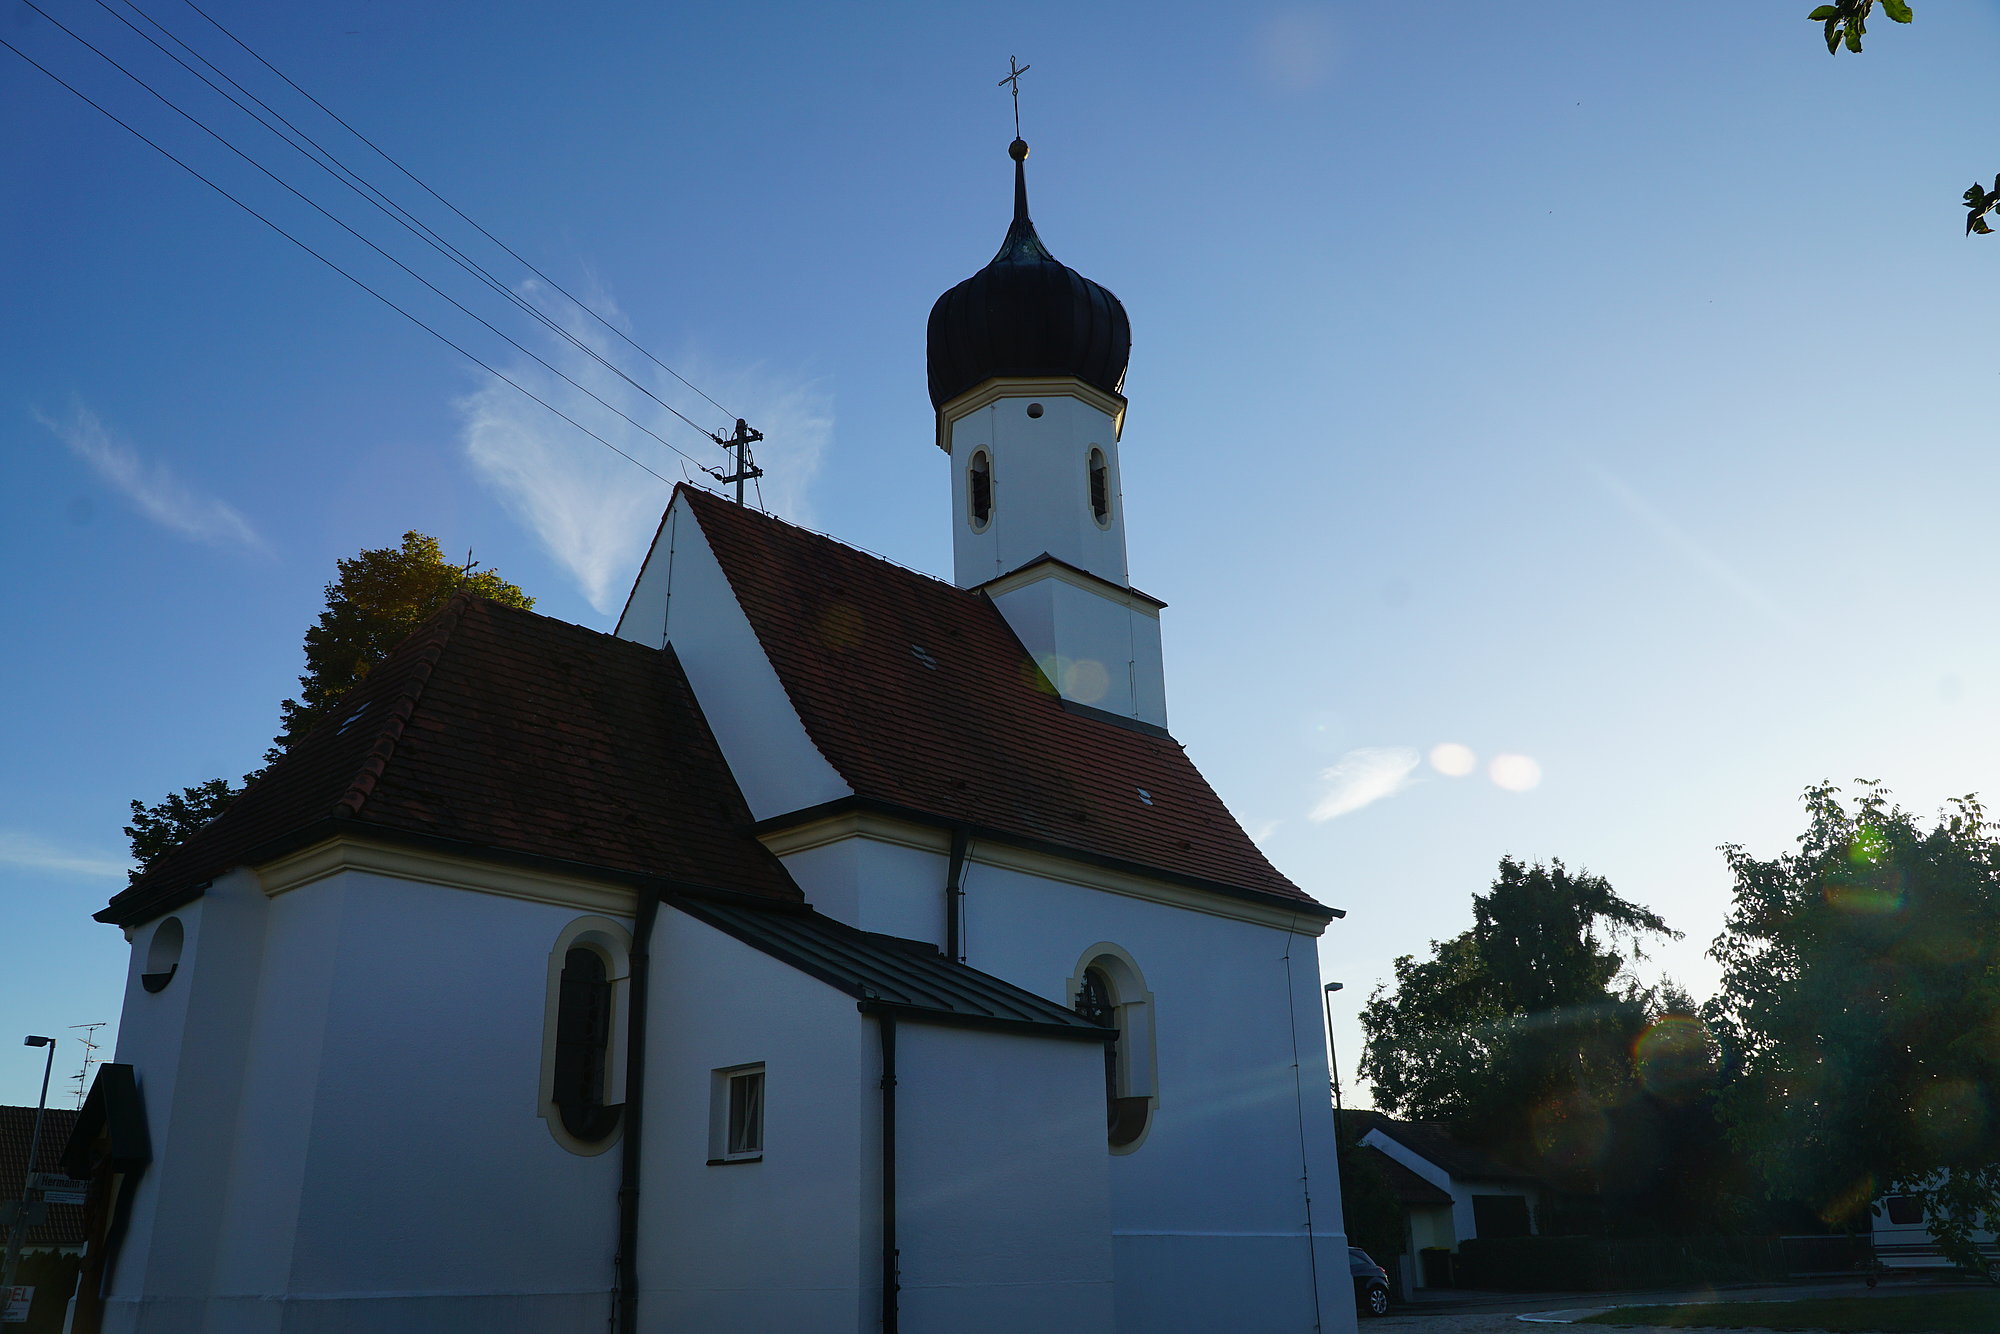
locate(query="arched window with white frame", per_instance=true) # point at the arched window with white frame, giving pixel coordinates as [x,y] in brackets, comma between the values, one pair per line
[583,1040]
[1109,989]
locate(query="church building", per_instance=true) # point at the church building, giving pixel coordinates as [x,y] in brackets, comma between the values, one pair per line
[829,949]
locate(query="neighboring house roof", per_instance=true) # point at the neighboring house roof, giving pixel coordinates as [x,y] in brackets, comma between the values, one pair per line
[17,1128]
[498,730]
[1434,1142]
[1412,1190]
[921,697]
[890,973]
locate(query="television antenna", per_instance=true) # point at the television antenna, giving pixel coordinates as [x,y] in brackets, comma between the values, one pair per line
[90,1058]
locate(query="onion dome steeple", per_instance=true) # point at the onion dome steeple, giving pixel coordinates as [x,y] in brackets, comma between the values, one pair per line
[1026,315]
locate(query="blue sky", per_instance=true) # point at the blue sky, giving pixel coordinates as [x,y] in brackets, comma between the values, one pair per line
[1606,395]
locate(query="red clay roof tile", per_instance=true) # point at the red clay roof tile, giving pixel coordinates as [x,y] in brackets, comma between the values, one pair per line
[978,737]
[506,730]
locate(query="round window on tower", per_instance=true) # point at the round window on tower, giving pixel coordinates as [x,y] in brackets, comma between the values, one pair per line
[979,490]
[1100,487]
[163,954]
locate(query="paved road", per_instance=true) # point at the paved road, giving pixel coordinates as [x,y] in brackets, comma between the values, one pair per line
[1500,1313]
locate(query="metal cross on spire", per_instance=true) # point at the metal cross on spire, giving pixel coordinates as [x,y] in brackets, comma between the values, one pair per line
[1013,84]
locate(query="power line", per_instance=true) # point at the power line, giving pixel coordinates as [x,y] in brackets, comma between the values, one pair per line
[318,208]
[141,137]
[373,196]
[384,155]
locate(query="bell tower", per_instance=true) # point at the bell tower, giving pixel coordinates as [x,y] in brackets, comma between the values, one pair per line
[1027,363]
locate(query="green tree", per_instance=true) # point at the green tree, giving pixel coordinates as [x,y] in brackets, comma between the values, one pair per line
[1860,1004]
[376,600]
[1521,1029]
[379,597]
[156,828]
[1846,21]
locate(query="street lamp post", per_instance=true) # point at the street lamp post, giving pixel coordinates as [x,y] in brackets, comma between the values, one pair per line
[1332,1061]
[18,1233]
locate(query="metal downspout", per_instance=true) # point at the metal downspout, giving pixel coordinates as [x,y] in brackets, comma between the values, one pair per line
[954,895]
[635,1093]
[890,1281]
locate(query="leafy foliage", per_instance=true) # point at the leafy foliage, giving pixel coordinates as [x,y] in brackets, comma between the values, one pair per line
[378,598]
[1860,1002]
[1847,20]
[155,829]
[1979,202]
[1523,1029]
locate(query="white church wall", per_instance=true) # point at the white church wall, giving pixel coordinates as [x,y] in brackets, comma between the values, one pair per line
[1094,647]
[877,885]
[1210,1201]
[683,596]
[1208,1210]
[787,1242]
[189,1045]
[1004,1216]
[1041,485]
[373,1159]
[426,1125]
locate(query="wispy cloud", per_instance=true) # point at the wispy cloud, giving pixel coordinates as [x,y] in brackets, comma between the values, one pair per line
[594,511]
[1364,776]
[26,850]
[152,487]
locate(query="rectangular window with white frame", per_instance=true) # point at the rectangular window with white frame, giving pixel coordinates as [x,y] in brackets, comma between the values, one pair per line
[736,1115]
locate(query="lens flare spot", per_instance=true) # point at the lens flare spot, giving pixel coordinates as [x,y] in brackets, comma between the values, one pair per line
[1851,1204]
[1516,773]
[1868,847]
[1864,899]
[840,626]
[1453,760]
[1672,1056]
[1085,681]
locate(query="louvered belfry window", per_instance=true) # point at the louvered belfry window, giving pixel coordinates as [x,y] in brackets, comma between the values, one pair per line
[1100,487]
[583,1046]
[979,490]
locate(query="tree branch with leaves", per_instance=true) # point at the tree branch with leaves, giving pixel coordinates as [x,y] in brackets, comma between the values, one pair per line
[377,599]
[1846,23]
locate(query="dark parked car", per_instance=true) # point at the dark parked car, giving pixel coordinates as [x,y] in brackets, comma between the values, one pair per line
[1371,1282]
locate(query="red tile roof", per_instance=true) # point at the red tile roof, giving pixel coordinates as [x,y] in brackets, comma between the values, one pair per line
[502,730]
[920,695]
[17,1128]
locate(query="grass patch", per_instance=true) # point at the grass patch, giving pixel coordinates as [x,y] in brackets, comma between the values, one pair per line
[1916,1313]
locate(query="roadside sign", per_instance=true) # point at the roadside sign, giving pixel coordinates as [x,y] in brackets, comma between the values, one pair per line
[59,1189]
[14,1310]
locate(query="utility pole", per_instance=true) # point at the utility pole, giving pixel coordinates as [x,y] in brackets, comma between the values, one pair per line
[17,1230]
[745,469]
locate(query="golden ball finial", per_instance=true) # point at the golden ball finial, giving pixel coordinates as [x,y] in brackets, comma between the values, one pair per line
[1018,150]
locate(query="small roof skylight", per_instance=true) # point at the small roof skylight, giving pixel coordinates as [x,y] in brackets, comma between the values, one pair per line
[1144,795]
[923,655]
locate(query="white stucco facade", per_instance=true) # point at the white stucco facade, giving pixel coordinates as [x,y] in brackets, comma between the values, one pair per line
[332,1081]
